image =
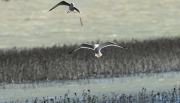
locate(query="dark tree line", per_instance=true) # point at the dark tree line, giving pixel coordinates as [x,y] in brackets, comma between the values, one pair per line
[54,63]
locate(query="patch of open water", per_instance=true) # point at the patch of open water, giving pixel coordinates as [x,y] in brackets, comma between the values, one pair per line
[127,85]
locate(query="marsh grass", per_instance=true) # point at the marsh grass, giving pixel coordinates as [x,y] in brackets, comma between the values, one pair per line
[172,96]
[55,63]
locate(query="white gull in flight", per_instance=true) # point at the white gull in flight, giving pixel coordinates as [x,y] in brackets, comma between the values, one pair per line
[96,47]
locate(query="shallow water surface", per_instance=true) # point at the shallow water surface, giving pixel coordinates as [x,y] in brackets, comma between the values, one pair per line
[128,85]
[28,23]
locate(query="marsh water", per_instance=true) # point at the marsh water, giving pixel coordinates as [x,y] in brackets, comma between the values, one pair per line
[28,23]
[163,82]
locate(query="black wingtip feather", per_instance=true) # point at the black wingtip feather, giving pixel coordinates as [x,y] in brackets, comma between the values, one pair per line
[71,52]
[51,9]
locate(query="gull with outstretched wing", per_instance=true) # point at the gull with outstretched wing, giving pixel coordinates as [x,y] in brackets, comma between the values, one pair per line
[71,8]
[96,47]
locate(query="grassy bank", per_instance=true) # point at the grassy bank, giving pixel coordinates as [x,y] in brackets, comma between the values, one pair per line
[148,56]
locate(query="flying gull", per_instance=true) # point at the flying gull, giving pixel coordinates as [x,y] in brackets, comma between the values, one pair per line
[71,8]
[96,47]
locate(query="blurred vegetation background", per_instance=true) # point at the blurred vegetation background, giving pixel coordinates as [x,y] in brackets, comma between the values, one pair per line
[55,63]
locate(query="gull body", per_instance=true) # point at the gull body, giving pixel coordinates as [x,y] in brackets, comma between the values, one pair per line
[96,47]
[71,8]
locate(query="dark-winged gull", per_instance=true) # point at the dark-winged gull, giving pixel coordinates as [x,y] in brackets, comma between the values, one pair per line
[96,47]
[71,8]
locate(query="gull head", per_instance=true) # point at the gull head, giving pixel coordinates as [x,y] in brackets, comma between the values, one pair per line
[98,55]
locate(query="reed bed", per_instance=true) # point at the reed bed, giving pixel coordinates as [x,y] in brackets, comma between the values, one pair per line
[54,63]
[143,96]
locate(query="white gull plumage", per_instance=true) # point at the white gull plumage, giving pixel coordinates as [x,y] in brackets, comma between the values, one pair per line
[96,47]
[71,8]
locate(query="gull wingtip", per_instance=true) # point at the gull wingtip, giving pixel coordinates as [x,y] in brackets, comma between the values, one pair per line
[50,9]
[71,52]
